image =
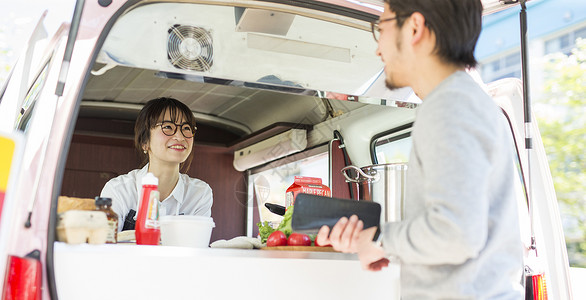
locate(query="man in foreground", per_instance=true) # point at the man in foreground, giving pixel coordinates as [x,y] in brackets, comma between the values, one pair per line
[460,237]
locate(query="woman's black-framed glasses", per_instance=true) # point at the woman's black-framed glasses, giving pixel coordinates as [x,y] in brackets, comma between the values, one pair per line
[374,27]
[169,128]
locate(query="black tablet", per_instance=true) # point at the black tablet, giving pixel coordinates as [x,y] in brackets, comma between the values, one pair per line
[311,212]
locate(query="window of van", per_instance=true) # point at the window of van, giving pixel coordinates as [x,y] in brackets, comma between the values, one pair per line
[270,184]
[393,148]
[26,111]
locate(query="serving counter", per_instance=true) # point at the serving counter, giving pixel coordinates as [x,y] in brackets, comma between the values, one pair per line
[163,272]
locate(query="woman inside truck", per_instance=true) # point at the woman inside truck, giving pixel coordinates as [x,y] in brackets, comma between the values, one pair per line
[163,136]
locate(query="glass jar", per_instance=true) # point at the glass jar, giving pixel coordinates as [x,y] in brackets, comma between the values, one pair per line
[105,205]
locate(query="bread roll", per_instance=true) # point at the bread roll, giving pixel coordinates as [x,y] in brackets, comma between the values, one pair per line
[71,203]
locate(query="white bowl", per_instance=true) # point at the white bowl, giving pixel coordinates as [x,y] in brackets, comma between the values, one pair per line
[186,231]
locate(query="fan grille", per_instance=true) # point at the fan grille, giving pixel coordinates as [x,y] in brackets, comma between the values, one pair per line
[190,48]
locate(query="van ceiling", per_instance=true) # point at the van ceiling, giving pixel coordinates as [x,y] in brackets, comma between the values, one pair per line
[240,110]
[248,44]
[255,67]
[258,67]
[261,66]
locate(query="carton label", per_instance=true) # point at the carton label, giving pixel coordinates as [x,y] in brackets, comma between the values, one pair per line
[305,185]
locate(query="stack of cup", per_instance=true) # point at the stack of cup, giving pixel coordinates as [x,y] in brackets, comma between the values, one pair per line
[186,231]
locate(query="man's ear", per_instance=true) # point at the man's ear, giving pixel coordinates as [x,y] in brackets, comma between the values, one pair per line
[418,28]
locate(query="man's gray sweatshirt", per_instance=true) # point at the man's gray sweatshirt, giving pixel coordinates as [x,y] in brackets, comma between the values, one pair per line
[460,238]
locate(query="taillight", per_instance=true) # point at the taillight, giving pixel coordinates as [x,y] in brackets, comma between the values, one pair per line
[539,287]
[535,286]
[23,278]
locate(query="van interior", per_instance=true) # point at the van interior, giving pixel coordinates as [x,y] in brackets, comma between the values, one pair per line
[308,82]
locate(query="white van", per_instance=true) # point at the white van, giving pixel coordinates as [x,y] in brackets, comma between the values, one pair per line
[249,70]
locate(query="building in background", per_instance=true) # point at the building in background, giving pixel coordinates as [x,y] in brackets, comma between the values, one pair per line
[553,26]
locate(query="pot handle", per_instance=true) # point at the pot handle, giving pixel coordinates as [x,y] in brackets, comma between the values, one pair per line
[359,173]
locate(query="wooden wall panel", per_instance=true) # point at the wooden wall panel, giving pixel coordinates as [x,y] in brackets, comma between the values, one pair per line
[90,165]
[92,161]
[214,166]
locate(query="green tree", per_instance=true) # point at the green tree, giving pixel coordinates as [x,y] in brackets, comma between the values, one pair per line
[561,116]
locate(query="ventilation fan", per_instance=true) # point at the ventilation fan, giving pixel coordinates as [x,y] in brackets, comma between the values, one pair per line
[190,48]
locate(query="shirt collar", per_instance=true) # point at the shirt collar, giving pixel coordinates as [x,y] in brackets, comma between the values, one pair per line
[175,194]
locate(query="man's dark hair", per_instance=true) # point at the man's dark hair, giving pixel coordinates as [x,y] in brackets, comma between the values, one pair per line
[455,23]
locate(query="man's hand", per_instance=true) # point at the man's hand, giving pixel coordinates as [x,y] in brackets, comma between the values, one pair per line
[343,236]
[347,236]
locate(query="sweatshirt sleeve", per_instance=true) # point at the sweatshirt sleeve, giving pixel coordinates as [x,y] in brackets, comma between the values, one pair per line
[453,149]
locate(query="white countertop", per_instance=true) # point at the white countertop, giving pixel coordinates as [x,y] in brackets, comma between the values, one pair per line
[126,271]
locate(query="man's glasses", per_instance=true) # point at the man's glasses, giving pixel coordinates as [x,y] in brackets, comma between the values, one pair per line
[374,27]
[169,129]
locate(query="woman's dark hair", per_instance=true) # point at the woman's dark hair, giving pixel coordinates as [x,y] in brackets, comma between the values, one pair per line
[455,23]
[150,114]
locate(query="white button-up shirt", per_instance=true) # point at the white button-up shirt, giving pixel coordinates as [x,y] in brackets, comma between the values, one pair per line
[190,196]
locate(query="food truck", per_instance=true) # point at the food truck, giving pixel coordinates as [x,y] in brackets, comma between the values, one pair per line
[278,88]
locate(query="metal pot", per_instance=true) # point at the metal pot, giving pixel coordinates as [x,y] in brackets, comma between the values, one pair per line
[383,184]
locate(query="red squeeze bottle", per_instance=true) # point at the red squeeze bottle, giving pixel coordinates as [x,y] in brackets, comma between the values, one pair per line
[147,223]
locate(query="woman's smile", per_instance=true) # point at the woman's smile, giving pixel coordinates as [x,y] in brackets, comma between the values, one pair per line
[178,147]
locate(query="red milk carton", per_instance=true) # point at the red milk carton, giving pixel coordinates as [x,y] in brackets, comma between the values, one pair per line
[305,185]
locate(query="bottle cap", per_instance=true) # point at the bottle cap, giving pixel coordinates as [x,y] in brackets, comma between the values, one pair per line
[150,179]
[100,201]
